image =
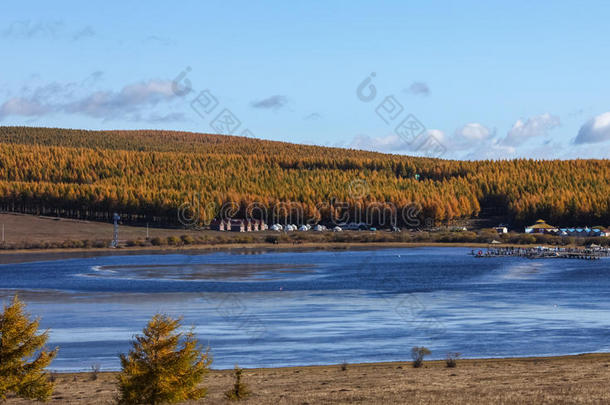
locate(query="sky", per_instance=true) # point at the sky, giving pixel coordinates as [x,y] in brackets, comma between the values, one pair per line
[457,80]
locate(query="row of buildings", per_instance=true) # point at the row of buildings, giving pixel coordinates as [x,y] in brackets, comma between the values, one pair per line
[238,225]
[255,225]
[542,227]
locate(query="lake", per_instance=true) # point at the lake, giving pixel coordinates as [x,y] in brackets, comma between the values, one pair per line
[273,309]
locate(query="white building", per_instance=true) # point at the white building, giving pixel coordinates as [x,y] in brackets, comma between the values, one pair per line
[501,229]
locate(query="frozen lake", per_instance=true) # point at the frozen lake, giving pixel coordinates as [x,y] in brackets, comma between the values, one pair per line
[320,307]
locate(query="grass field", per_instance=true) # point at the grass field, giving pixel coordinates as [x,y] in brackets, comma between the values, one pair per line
[579,379]
[28,228]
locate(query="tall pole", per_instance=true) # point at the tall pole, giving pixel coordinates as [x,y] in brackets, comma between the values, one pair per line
[2,233]
[115,239]
[147,231]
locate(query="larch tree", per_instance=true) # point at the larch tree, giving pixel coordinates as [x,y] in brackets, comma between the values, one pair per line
[23,358]
[164,365]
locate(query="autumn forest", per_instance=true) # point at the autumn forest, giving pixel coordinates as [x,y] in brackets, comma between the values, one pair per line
[147,176]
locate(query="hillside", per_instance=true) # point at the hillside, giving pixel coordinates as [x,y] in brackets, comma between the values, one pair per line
[148,175]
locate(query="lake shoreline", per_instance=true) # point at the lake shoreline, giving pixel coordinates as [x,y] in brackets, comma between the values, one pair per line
[545,380]
[434,362]
[29,255]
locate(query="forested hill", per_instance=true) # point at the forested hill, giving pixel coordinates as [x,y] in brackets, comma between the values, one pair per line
[147,175]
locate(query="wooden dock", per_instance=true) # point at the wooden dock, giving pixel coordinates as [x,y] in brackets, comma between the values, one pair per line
[543,253]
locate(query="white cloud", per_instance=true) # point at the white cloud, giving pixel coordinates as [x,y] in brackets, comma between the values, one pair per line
[395,144]
[133,102]
[313,116]
[473,132]
[596,130]
[108,104]
[418,88]
[533,127]
[85,32]
[274,102]
[436,133]
[479,142]
[469,136]
[28,29]
[390,143]
[23,106]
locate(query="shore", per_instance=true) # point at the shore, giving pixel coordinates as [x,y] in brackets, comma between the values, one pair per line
[579,379]
[31,255]
[35,238]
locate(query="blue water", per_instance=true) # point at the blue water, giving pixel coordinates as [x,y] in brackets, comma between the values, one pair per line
[319,307]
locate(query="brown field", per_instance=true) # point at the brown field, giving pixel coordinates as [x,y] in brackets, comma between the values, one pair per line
[30,228]
[579,379]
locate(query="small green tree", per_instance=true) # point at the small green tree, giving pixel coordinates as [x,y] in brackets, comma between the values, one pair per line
[164,366]
[240,390]
[418,354]
[22,355]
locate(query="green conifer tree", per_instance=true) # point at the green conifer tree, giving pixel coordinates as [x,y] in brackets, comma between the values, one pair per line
[164,366]
[22,356]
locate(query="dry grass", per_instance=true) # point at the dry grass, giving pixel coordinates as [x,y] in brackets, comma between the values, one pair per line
[30,228]
[559,380]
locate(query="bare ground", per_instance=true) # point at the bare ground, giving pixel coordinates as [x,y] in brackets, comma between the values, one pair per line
[579,379]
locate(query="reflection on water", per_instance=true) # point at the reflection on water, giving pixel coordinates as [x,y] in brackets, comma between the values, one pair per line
[276,309]
[198,271]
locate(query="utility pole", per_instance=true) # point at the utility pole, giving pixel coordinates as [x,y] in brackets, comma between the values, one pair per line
[115,239]
[2,233]
[147,231]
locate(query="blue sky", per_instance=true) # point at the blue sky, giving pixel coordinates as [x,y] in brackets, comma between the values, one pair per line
[518,79]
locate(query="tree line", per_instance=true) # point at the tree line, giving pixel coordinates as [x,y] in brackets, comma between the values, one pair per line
[147,176]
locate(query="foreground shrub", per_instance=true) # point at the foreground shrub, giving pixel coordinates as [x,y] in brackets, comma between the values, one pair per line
[418,354]
[451,359]
[240,390]
[164,366]
[22,357]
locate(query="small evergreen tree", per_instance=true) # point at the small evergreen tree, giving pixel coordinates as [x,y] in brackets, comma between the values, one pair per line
[240,390]
[22,356]
[164,366]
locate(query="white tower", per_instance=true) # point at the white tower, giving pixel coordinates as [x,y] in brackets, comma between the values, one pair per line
[115,238]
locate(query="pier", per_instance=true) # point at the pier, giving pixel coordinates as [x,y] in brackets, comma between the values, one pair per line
[541,252]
